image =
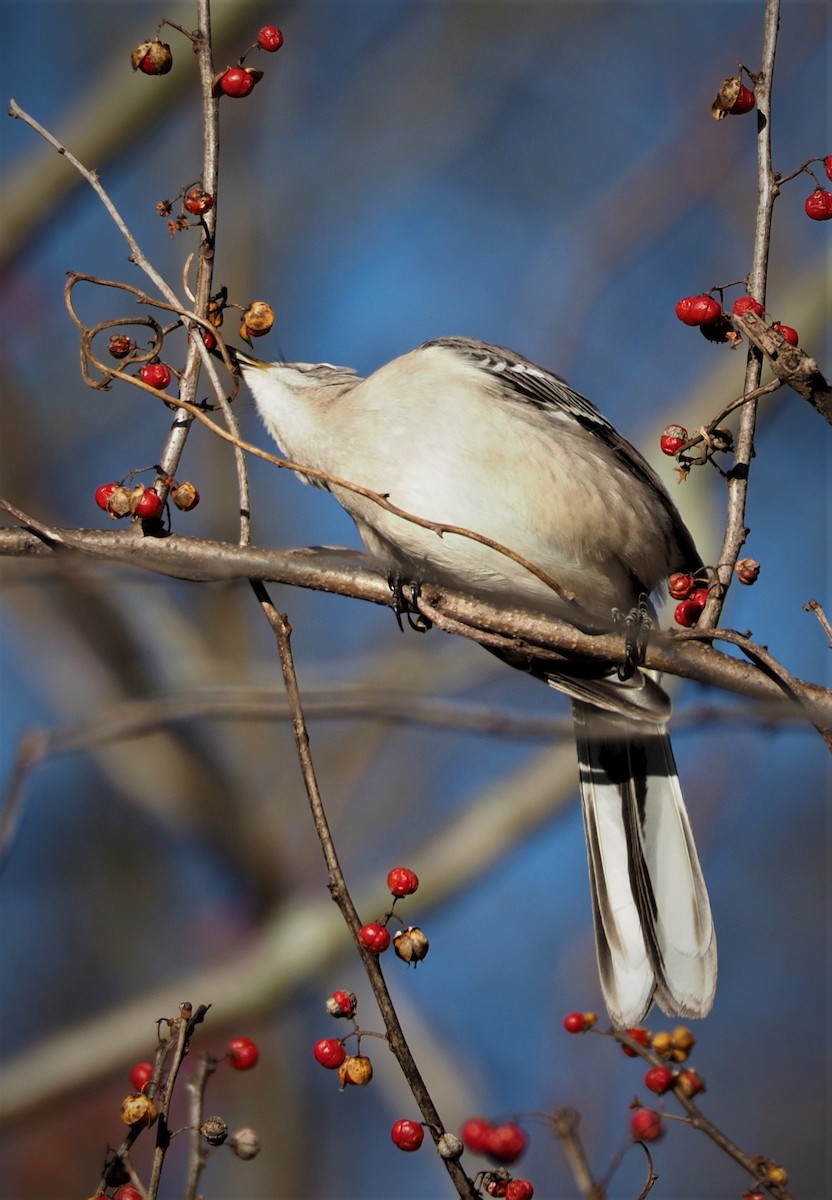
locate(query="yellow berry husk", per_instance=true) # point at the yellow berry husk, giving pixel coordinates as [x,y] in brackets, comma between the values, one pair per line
[726,98]
[356,1069]
[590,1019]
[690,1082]
[158,54]
[259,318]
[776,1174]
[185,496]
[662,1043]
[119,503]
[138,1109]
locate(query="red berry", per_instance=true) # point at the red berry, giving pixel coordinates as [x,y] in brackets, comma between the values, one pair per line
[673,437]
[103,494]
[639,1034]
[156,374]
[407,1135]
[743,103]
[475,1134]
[827,166]
[687,613]
[148,505]
[506,1142]
[519,1189]
[270,38]
[659,1080]
[402,881]
[744,304]
[786,332]
[646,1125]
[680,585]
[127,1192]
[374,937]
[329,1052]
[819,205]
[236,81]
[341,1004]
[242,1053]
[698,310]
[574,1022]
[209,339]
[197,201]
[141,1074]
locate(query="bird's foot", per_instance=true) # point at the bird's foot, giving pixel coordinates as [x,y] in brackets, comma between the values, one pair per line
[405,597]
[637,624]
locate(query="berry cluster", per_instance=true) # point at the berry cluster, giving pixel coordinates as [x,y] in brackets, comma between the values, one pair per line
[410,943]
[145,504]
[149,1101]
[155,58]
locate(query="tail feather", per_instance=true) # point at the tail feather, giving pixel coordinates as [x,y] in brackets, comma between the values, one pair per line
[653,929]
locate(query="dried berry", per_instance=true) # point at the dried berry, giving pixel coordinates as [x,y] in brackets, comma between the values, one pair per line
[245,1143]
[748,570]
[411,945]
[120,345]
[185,496]
[152,58]
[356,1070]
[138,1110]
[341,1004]
[733,97]
[257,320]
[672,439]
[680,585]
[214,1130]
[197,201]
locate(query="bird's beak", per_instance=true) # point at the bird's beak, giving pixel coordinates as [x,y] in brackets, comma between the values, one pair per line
[243,360]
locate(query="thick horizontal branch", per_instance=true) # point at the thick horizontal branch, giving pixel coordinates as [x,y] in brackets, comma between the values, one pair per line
[350,573]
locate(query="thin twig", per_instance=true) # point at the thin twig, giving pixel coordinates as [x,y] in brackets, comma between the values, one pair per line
[767,189]
[826,625]
[337,885]
[565,1124]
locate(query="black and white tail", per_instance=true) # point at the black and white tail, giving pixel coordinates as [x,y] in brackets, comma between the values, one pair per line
[653,930]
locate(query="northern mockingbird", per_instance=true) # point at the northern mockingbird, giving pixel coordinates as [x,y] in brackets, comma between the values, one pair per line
[464,433]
